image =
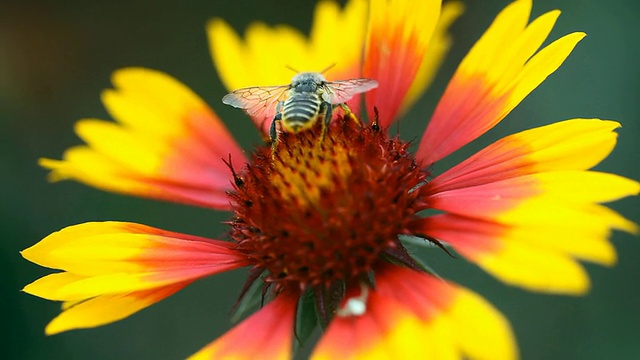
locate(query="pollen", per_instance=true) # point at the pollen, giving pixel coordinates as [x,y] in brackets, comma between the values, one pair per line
[321,211]
[302,171]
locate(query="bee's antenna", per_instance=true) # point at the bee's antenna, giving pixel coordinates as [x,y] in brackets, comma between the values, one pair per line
[292,68]
[327,68]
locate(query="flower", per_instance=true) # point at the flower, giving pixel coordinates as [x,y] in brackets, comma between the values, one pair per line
[322,221]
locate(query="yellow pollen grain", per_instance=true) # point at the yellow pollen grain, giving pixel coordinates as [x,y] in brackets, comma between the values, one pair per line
[304,168]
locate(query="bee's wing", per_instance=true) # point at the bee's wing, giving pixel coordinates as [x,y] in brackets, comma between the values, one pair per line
[342,91]
[258,101]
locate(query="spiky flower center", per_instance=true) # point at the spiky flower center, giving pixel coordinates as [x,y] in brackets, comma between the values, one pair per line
[324,210]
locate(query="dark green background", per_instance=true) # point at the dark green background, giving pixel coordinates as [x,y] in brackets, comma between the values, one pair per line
[56,57]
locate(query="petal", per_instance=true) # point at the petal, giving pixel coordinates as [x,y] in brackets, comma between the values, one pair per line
[538,258]
[112,257]
[266,334]
[411,315]
[482,332]
[106,309]
[524,177]
[167,144]
[438,48]
[525,208]
[539,199]
[398,37]
[577,144]
[336,38]
[499,71]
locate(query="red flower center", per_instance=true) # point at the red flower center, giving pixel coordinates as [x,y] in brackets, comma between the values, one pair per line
[322,211]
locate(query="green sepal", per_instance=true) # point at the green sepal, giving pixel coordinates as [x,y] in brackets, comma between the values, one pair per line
[306,319]
[250,302]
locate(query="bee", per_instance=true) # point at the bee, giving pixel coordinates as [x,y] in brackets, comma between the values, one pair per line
[299,105]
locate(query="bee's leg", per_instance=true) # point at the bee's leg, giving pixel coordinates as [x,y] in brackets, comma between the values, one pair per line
[349,114]
[272,130]
[273,135]
[328,113]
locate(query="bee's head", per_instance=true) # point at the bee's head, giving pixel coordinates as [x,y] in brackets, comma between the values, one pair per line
[307,79]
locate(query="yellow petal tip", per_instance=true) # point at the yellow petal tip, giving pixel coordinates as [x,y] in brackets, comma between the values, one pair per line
[52,329]
[632,228]
[53,165]
[215,23]
[579,35]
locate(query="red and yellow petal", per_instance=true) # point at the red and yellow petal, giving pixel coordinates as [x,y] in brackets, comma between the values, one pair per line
[525,178]
[267,334]
[266,54]
[133,265]
[166,144]
[525,208]
[113,257]
[105,309]
[438,48]
[500,70]
[411,315]
[536,244]
[538,258]
[577,144]
[398,38]
[553,199]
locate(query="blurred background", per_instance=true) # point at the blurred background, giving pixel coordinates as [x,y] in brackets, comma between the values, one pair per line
[56,57]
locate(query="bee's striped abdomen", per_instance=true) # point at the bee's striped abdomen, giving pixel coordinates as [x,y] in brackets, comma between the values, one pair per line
[300,110]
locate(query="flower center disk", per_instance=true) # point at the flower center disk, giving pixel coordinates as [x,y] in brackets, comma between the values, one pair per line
[321,210]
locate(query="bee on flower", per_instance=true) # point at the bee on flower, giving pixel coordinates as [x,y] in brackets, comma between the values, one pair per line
[322,225]
[309,98]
